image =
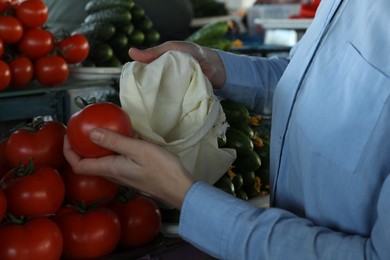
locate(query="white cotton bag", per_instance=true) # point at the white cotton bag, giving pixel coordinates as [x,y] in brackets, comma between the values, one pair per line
[171,103]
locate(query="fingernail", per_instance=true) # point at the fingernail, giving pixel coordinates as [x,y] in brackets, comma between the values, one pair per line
[96,135]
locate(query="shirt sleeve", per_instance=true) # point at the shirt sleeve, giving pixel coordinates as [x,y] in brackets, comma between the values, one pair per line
[228,228]
[251,80]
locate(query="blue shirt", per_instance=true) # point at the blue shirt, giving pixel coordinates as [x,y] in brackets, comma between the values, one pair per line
[330,146]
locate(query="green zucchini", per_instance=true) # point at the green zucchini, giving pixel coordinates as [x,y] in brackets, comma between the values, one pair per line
[115,15]
[96,30]
[94,6]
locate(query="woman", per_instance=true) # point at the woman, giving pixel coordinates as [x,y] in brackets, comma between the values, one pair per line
[330,148]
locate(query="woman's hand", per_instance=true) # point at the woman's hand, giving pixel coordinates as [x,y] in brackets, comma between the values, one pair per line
[138,164]
[209,60]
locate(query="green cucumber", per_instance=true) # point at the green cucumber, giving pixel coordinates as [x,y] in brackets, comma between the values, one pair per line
[210,31]
[94,6]
[152,37]
[235,112]
[137,12]
[245,128]
[115,15]
[119,41]
[248,162]
[225,184]
[100,52]
[239,141]
[98,30]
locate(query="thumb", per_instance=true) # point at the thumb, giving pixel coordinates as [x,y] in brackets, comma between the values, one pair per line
[113,141]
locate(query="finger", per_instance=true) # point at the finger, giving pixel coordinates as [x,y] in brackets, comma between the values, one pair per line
[144,56]
[115,142]
[150,54]
[69,154]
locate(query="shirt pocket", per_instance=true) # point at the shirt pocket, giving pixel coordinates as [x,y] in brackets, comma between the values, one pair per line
[339,109]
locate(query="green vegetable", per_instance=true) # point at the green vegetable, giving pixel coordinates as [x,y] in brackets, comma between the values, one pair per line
[127,29]
[115,15]
[119,41]
[209,32]
[137,37]
[225,184]
[94,6]
[99,30]
[248,162]
[137,12]
[100,52]
[112,62]
[152,36]
[144,23]
[235,112]
[239,141]
[245,128]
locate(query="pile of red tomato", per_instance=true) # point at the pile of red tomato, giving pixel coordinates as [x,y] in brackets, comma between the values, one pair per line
[29,51]
[49,212]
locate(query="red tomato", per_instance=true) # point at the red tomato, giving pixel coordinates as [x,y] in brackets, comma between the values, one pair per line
[104,115]
[22,71]
[36,43]
[51,70]
[88,189]
[1,48]
[5,75]
[4,4]
[32,13]
[3,205]
[38,239]
[11,29]
[140,219]
[40,192]
[91,234]
[74,49]
[40,141]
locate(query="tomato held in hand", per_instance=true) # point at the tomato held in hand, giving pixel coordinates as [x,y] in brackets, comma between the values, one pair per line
[36,43]
[51,70]
[32,192]
[39,238]
[102,115]
[32,13]
[74,49]
[11,29]
[89,234]
[140,219]
[41,141]
[22,71]
[3,205]
[88,189]
[5,75]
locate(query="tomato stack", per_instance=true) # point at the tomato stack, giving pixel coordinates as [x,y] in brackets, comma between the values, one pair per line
[43,202]
[29,51]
